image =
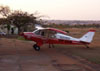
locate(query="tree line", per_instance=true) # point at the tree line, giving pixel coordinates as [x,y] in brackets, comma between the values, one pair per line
[94,25]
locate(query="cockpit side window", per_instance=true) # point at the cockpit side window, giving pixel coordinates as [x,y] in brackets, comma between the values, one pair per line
[40,32]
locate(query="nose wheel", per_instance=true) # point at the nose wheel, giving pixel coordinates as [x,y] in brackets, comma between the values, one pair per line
[36,47]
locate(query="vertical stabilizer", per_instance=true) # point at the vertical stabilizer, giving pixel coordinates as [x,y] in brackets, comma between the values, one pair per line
[88,37]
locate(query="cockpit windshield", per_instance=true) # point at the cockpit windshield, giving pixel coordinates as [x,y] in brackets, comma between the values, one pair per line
[37,32]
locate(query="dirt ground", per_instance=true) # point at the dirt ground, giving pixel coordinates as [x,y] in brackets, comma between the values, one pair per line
[17,55]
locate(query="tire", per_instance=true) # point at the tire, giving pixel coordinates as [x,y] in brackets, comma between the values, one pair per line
[36,47]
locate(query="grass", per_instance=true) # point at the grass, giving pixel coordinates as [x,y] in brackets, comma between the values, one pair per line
[21,38]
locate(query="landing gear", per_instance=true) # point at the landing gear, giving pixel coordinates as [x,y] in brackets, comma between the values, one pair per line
[36,47]
[51,45]
[87,46]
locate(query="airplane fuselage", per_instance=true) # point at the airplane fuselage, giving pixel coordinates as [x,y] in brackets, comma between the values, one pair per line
[40,40]
[55,36]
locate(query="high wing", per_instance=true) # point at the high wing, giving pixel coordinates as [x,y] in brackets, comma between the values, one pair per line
[51,29]
[56,30]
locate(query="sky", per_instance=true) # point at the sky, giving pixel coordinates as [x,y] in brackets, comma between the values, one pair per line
[58,9]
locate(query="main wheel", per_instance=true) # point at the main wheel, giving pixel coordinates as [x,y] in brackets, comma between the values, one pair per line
[36,47]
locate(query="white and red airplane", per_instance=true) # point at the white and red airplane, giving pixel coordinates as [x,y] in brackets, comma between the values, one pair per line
[54,36]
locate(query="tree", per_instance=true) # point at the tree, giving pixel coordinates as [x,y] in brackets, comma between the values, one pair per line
[4,11]
[22,19]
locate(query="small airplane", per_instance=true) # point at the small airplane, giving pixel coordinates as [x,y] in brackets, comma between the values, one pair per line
[55,36]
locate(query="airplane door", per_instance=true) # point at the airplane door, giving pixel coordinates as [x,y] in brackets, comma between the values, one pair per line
[51,37]
[44,36]
[48,36]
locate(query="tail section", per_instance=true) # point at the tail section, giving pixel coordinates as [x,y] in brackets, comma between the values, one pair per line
[88,37]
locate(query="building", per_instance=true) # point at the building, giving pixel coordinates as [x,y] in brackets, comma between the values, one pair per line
[13,29]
